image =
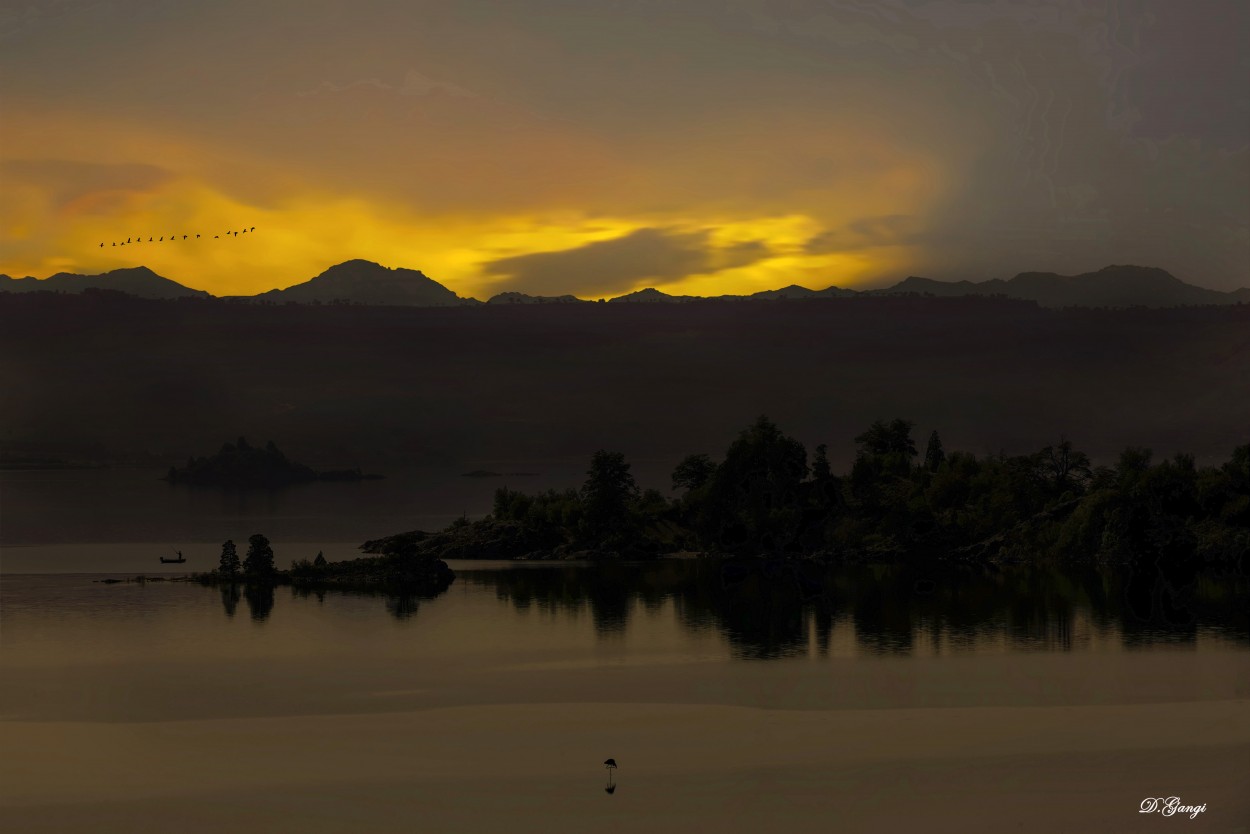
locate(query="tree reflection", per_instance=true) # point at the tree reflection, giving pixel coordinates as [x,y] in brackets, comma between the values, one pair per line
[400,602]
[403,606]
[230,596]
[778,608]
[259,596]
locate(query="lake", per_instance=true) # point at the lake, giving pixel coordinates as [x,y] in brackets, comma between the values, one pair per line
[134,504]
[740,698]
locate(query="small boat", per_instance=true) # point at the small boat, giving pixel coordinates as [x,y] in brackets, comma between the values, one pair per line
[175,561]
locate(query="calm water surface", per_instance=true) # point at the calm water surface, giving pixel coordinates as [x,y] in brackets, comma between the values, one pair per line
[688,631]
[126,504]
[734,697]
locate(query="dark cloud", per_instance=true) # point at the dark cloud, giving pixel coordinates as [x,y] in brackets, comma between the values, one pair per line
[742,254]
[867,232]
[67,180]
[616,266]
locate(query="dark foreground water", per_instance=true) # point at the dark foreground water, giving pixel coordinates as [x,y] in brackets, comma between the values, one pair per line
[736,698]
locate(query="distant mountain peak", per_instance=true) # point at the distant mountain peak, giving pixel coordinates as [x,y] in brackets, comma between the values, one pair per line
[364,282]
[648,295]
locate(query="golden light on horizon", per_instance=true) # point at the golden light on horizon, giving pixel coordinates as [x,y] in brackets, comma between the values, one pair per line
[538,154]
[304,234]
[66,197]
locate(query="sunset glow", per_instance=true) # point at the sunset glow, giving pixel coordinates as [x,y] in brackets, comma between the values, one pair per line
[533,152]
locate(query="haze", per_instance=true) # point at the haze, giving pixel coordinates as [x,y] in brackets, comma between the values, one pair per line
[595,147]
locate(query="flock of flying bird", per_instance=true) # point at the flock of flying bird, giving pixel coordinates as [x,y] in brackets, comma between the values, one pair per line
[161,239]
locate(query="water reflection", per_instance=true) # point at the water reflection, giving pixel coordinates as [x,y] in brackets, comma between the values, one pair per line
[230,596]
[259,598]
[400,604]
[403,606]
[777,609]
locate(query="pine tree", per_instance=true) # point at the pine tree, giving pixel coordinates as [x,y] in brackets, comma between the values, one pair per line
[820,464]
[609,488]
[259,561]
[229,565]
[933,454]
[607,496]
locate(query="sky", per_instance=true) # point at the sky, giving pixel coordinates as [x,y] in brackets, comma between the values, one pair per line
[596,147]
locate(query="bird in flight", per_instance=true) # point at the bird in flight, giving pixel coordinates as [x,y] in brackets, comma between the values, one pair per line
[173,237]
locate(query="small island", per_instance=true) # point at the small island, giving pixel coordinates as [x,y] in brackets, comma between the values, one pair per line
[241,465]
[397,569]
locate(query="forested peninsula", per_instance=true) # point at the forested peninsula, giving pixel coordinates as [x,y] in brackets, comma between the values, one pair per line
[765,497]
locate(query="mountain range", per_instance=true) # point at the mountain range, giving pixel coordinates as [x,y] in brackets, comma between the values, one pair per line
[138,280]
[367,283]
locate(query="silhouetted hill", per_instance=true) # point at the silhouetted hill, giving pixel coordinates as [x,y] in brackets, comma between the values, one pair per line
[1111,286]
[914,284]
[795,291]
[138,281]
[649,296]
[522,298]
[364,282]
[242,465]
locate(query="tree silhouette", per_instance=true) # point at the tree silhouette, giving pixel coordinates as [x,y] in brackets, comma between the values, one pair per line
[607,494]
[890,442]
[229,564]
[934,457]
[693,472]
[821,472]
[259,561]
[1064,468]
[753,499]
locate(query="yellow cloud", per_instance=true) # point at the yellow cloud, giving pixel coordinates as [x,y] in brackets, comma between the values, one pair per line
[136,181]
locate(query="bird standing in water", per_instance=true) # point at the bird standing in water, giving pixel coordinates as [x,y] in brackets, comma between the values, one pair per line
[610,764]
